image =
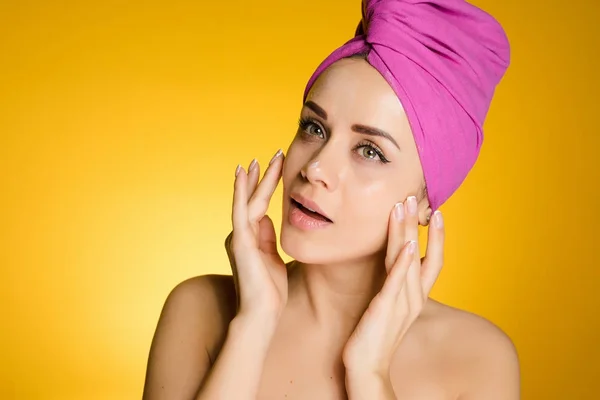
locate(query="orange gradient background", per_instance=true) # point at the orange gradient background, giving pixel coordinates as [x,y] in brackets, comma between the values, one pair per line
[121,124]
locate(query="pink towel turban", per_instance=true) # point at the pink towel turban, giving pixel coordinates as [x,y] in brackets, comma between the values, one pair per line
[443,59]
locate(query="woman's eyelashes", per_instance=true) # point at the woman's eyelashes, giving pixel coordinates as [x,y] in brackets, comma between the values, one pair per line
[370,151]
[367,150]
[311,127]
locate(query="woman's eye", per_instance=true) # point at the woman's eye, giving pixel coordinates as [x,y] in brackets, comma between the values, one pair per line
[314,129]
[369,152]
[311,128]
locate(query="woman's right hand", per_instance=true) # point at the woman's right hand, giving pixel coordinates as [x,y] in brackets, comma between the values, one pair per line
[259,272]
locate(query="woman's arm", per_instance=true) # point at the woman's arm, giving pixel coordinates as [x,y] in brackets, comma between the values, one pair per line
[370,386]
[237,371]
[179,362]
[178,359]
[194,317]
[495,373]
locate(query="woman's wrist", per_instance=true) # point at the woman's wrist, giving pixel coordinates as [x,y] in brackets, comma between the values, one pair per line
[241,359]
[258,328]
[372,385]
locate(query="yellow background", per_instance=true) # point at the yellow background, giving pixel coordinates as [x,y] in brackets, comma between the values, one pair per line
[121,124]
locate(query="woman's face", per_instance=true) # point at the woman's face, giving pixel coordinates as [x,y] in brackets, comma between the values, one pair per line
[352,159]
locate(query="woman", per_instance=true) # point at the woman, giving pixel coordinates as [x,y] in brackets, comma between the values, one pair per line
[389,128]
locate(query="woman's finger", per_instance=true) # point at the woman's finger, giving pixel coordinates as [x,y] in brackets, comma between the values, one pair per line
[239,212]
[259,202]
[411,224]
[233,265]
[413,276]
[434,256]
[413,287]
[395,235]
[396,279]
[253,175]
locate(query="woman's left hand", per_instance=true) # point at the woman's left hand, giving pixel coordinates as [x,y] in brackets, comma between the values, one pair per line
[371,346]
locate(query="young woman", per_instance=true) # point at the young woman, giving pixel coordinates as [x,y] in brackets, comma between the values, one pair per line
[390,126]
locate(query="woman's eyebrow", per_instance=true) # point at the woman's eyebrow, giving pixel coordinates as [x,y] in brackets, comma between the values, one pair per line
[316,109]
[369,130]
[359,128]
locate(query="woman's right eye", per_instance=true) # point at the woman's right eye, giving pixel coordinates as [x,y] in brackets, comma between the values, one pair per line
[311,128]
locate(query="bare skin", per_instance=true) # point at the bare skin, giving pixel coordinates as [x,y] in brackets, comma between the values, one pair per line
[447,353]
[290,332]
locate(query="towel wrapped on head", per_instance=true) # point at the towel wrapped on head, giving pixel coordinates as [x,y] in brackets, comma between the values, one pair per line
[443,59]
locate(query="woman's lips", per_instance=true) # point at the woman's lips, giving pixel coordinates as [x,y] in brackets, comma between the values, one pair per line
[303,218]
[309,205]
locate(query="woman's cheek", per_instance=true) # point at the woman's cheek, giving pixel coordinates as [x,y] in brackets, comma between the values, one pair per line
[292,162]
[374,191]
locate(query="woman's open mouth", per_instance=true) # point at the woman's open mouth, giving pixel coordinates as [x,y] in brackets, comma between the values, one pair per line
[306,218]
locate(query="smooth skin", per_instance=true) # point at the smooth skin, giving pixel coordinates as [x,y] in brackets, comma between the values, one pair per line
[350,317]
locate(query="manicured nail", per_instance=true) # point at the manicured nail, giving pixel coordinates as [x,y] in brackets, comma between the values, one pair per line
[439,221]
[252,165]
[279,152]
[237,170]
[412,245]
[412,204]
[399,211]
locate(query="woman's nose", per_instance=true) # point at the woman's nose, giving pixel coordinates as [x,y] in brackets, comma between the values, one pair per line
[322,170]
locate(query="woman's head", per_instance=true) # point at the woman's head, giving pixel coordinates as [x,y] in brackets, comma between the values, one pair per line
[425,84]
[443,60]
[355,157]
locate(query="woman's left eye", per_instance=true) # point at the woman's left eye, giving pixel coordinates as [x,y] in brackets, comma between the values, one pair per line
[311,128]
[370,152]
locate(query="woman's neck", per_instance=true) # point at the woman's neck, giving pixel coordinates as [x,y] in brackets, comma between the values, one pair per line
[336,296]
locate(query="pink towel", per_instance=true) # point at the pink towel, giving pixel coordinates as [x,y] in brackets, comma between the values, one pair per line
[443,59]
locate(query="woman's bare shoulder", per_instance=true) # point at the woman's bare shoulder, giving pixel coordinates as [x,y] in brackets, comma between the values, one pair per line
[455,324]
[210,287]
[191,326]
[211,295]
[482,351]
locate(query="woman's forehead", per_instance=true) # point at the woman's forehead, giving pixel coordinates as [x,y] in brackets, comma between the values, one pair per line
[352,91]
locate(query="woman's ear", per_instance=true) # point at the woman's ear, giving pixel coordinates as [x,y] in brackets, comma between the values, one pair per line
[425,215]
[425,211]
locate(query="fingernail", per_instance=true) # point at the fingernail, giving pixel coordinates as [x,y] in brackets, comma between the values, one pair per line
[279,152]
[237,170]
[399,211]
[412,204]
[439,221]
[412,245]
[252,165]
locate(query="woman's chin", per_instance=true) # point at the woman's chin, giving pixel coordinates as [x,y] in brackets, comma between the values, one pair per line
[326,249]
[304,250]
